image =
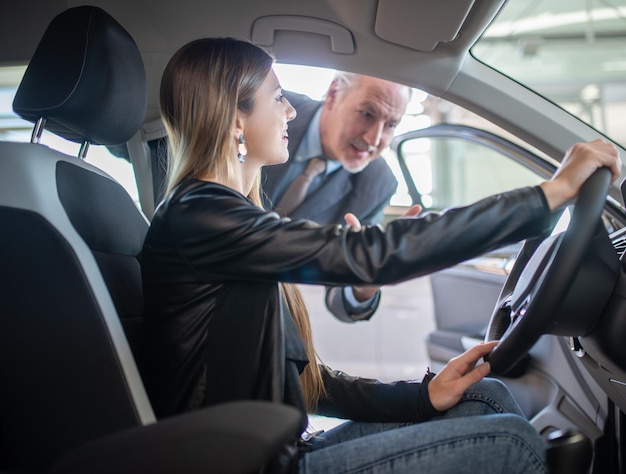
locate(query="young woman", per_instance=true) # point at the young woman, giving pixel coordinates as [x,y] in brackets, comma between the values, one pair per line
[224,321]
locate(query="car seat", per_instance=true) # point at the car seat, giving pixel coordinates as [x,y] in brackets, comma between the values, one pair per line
[72,399]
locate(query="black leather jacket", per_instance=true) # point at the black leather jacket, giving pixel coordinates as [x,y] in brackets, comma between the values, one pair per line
[216,327]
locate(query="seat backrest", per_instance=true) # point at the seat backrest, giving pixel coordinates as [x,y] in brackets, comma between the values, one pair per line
[70,237]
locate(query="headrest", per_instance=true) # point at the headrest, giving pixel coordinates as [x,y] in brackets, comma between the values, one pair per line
[86,79]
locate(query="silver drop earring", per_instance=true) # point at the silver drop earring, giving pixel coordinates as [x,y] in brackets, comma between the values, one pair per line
[242,150]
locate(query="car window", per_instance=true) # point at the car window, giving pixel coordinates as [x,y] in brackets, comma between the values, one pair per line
[314,81]
[451,171]
[447,171]
[571,52]
[308,80]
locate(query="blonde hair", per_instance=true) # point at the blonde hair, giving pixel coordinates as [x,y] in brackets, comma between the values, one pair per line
[204,84]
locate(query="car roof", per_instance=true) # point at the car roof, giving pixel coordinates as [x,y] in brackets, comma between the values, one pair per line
[399,40]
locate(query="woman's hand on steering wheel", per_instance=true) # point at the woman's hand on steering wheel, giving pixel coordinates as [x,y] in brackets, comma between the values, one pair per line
[578,164]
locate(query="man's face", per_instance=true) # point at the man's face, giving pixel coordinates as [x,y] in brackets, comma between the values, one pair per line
[359,121]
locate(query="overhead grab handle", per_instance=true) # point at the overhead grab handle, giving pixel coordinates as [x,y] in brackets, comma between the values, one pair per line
[264,28]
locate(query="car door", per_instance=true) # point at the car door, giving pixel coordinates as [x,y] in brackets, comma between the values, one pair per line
[453,165]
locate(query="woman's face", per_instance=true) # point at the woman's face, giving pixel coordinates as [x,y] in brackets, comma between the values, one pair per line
[265,129]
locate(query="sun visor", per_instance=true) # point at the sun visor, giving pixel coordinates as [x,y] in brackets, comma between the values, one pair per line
[425,23]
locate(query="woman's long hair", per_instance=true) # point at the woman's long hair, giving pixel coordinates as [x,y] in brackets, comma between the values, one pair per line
[204,85]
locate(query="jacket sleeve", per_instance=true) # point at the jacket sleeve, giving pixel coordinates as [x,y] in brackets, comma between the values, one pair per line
[343,310]
[363,399]
[223,237]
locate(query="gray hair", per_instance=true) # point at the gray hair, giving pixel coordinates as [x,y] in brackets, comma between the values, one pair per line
[346,80]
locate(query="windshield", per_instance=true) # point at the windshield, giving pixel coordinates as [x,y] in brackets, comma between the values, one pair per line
[573,52]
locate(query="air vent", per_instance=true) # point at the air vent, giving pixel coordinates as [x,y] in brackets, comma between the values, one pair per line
[618,239]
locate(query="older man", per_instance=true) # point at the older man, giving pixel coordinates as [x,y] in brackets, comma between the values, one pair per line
[334,165]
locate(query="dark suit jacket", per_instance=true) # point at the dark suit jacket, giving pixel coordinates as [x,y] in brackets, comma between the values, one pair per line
[365,194]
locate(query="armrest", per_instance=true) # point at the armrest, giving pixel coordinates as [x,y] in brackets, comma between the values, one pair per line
[237,437]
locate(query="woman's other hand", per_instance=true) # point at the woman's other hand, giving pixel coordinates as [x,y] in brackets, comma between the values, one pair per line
[448,386]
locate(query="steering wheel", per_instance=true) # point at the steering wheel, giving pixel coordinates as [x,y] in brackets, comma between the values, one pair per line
[541,277]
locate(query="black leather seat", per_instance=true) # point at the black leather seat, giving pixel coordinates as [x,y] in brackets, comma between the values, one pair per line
[72,399]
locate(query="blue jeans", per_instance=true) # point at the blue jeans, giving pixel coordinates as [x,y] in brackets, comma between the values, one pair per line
[485,432]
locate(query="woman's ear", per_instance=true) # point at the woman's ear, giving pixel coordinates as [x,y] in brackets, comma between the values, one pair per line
[240,125]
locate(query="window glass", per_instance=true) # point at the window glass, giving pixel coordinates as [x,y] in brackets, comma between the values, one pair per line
[314,81]
[454,172]
[572,52]
[459,174]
